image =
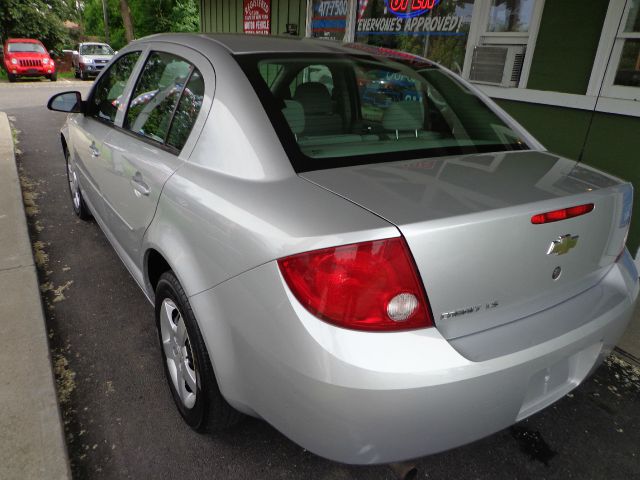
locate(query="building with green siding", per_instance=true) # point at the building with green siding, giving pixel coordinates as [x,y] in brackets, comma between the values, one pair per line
[568,70]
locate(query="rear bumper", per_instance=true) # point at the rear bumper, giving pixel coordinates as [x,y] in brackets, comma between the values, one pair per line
[366,398]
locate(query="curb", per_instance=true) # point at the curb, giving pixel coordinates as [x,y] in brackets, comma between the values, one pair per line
[32,442]
[627,357]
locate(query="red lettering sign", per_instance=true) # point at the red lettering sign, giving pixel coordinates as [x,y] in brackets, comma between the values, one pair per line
[257,17]
[410,8]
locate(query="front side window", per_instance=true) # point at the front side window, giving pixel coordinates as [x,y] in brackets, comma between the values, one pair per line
[374,110]
[107,94]
[27,47]
[510,15]
[156,97]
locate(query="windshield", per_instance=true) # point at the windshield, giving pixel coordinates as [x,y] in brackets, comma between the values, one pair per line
[26,47]
[341,110]
[95,50]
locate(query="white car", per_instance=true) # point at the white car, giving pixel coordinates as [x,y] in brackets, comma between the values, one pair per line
[378,279]
[90,58]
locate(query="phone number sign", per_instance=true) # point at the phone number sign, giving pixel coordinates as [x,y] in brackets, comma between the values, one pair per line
[257,17]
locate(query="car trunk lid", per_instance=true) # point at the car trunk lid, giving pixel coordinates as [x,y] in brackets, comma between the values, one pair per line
[467,220]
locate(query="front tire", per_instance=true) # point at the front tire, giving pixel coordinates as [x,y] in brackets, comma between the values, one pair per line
[12,77]
[83,77]
[186,362]
[79,206]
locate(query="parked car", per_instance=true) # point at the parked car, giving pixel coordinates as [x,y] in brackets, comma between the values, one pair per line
[27,57]
[377,288]
[90,58]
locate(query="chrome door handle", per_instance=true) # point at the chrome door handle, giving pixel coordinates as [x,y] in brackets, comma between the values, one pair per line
[139,187]
[94,151]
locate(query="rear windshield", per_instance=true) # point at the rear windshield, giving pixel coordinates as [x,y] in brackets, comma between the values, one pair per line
[341,110]
[25,47]
[95,50]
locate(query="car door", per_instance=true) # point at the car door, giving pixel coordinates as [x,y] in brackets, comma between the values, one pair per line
[148,145]
[92,129]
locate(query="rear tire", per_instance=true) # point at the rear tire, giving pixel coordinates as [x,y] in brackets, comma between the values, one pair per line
[53,77]
[77,201]
[187,366]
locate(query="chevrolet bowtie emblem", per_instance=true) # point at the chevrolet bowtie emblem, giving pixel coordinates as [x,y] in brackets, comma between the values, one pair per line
[563,244]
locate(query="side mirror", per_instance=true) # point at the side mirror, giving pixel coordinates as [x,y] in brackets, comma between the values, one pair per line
[70,102]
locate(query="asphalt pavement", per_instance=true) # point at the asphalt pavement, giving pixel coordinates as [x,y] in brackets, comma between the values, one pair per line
[120,419]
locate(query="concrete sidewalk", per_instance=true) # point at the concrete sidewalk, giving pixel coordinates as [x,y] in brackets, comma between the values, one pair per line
[32,442]
[629,345]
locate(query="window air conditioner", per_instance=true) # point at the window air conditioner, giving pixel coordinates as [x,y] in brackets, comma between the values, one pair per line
[497,64]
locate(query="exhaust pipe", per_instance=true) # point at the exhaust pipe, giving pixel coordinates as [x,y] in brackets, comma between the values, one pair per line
[404,470]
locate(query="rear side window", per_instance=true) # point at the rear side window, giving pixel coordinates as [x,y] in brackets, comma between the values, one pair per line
[109,88]
[169,89]
[187,111]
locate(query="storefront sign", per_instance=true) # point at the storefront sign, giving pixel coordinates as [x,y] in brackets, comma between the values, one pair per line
[329,19]
[410,8]
[257,17]
[409,17]
[449,25]
[436,29]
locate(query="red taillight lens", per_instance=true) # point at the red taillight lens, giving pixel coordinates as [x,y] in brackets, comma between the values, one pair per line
[364,286]
[562,214]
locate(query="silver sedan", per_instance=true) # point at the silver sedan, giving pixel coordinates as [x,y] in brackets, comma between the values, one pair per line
[349,242]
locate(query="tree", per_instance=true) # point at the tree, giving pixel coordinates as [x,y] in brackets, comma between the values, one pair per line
[38,19]
[147,17]
[126,20]
[185,16]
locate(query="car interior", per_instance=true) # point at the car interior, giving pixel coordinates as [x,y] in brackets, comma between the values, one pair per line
[346,107]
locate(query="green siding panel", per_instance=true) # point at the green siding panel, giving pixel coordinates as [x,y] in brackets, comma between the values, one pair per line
[561,130]
[612,144]
[566,46]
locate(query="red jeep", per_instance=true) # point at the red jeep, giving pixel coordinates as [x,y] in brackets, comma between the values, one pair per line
[25,57]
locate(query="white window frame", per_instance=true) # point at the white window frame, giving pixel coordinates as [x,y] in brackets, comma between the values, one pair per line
[479,35]
[609,52]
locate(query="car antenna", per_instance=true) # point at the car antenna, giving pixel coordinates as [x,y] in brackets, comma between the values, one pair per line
[595,106]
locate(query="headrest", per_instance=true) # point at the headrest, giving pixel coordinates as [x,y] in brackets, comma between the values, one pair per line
[404,116]
[314,97]
[294,114]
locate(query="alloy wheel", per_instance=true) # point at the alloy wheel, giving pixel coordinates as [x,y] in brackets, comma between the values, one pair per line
[74,186]
[177,350]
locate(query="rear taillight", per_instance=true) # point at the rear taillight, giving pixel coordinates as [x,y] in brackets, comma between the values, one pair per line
[562,214]
[370,286]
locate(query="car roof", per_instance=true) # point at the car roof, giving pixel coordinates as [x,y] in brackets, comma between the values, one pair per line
[238,44]
[94,43]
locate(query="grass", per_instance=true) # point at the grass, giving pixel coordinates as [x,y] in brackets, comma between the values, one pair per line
[3,75]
